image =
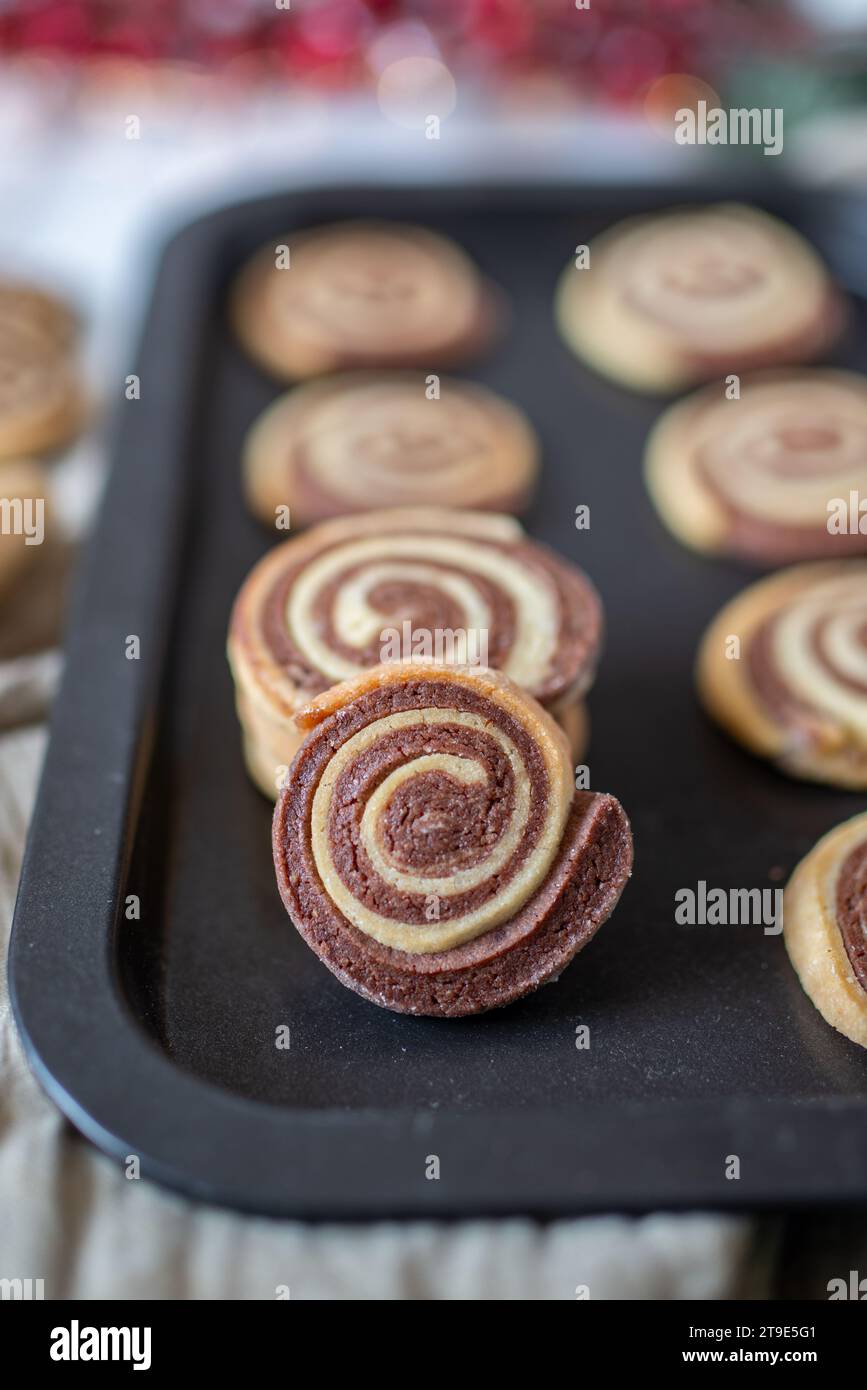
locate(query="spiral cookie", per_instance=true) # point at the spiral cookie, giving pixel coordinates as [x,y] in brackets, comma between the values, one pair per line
[825,926]
[429,845]
[41,401]
[456,587]
[361,294]
[365,440]
[683,296]
[783,668]
[767,478]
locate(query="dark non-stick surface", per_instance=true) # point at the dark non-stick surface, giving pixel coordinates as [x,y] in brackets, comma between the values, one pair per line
[678,1015]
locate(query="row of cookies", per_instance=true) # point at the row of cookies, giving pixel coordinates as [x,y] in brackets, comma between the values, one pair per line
[353,312]
[783,665]
[671,299]
[368,458]
[748,490]
[751,478]
[775,473]
[772,472]
[429,840]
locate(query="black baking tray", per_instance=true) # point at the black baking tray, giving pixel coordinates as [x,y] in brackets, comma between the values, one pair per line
[156,1036]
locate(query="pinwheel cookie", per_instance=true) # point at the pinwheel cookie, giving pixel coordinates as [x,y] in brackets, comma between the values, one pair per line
[365,440]
[783,667]
[678,297]
[426,585]
[767,477]
[430,846]
[362,294]
[41,400]
[825,926]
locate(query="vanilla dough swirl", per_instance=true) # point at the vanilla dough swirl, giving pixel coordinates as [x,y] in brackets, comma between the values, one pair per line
[366,440]
[798,691]
[361,294]
[319,609]
[680,296]
[424,814]
[756,477]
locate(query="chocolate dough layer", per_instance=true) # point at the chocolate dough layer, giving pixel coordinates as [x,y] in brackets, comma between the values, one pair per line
[852,910]
[472,817]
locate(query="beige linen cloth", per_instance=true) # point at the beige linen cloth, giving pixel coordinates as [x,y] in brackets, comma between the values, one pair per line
[69,1216]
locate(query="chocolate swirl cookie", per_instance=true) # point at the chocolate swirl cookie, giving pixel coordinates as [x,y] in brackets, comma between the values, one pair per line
[426,585]
[783,667]
[825,926]
[679,297]
[362,294]
[429,845]
[41,399]
[366,440]
[766,478]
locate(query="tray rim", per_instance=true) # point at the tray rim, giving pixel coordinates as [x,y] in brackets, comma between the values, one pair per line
[291,1169]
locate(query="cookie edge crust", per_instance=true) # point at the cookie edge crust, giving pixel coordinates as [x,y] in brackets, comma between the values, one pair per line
[812,934]
[686,508]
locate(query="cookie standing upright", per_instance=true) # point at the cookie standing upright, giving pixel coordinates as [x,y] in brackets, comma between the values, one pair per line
[318,609]
[783,668]
[362,294]
[364,440]
[678,297]
[769,477]
[825,926]
[429,844]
